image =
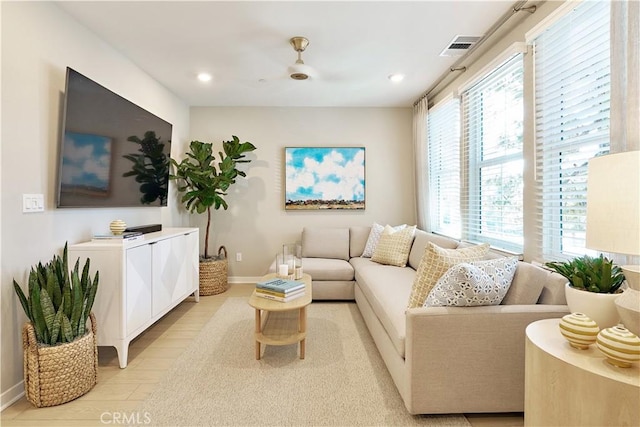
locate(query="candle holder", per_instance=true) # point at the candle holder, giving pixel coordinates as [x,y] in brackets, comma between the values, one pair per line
[289,262]
[282,266]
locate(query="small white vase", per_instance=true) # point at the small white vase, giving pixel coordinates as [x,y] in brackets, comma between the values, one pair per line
[599,307]
[628,305]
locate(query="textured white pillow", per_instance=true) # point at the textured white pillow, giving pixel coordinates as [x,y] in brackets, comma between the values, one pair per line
[474,283]
[374,238]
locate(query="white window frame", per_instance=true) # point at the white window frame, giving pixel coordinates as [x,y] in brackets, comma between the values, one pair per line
[552,244]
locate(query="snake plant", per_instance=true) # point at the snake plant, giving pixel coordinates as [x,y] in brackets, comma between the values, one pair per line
[594,274]
[59,302]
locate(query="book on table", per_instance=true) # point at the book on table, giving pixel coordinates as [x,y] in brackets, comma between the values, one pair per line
[275,296]
[283,286]
[127,236]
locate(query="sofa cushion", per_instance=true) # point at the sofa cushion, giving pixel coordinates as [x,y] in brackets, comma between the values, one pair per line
[387,289]
[358,236]
[374,238]
[527,285]
[474,284]
[321,242]
[553,290]
[435,262]
[420,244]
[394,246]
[327,269]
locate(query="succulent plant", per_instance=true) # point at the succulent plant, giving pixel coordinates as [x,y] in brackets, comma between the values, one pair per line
[59,303]
[594,274]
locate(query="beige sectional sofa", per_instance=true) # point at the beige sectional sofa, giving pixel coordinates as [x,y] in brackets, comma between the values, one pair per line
[442,359]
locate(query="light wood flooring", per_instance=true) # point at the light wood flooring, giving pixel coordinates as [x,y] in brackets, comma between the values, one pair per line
[150,356]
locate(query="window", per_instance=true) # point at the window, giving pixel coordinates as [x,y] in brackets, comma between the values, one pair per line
[492,131]
[443,124]
[572,86]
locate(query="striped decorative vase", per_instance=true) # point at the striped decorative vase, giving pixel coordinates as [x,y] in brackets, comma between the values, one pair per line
[117,226]
[579,330]
[621,346]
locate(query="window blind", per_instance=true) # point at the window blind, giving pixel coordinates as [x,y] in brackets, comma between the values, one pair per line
[572,94]
[492,130]
[443,126]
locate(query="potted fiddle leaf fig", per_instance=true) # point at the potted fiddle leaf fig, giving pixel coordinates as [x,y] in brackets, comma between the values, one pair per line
[60,349]
[205,185]
[593,285]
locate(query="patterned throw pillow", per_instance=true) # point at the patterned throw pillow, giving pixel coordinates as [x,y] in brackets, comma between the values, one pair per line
[374,237]
[434,263]
[474,283]
[394,246]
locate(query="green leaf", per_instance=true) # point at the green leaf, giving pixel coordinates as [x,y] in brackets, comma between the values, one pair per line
[65,329]
[38,317]
[48,312]
[23,300]
[55,330]
[76,303]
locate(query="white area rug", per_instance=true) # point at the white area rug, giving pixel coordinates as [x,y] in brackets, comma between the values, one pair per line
[341,382]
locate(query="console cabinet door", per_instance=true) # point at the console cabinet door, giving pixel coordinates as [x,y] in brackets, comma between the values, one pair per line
[167,257]
[138,287]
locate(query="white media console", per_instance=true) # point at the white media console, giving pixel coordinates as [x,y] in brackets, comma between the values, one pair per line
[140,281]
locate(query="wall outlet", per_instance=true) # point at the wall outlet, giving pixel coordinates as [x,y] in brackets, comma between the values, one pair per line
[238,256]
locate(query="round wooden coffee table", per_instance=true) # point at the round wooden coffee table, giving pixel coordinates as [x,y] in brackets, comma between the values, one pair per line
[281,323]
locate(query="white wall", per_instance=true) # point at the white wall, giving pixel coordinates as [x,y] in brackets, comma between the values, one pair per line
[38,42]
[256,223]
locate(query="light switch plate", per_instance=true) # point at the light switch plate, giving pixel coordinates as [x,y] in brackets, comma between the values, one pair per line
[32,203]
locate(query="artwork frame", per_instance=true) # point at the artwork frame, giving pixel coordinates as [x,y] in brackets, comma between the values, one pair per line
[324,178]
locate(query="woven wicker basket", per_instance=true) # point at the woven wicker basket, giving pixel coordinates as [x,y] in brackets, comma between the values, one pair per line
[213,274]
[57,374]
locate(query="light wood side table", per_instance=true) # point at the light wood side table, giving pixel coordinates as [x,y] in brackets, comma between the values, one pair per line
[281,323]
[565,386]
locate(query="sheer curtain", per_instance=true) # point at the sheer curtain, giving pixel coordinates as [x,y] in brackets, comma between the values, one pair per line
[625,85]
[625,76]
[420,112]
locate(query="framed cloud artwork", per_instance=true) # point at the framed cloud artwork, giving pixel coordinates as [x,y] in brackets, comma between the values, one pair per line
[324,178]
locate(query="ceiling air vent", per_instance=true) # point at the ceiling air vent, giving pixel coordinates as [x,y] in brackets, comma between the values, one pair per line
[459,45]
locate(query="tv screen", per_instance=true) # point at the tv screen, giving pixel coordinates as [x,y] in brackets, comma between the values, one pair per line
[113,153]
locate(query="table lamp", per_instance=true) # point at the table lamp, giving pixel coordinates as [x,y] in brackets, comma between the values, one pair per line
[613,220]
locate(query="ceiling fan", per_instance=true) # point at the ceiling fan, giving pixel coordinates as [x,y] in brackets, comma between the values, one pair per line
[299,70]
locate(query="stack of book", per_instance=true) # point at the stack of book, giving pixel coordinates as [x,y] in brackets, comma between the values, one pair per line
[280,289]
[125,237]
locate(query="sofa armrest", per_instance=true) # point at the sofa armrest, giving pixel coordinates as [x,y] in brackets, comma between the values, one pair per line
[471,356]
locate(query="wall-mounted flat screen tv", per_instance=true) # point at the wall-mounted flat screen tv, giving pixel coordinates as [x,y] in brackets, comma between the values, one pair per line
[113,153]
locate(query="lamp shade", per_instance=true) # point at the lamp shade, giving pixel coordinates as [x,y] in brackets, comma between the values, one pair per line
[613,196]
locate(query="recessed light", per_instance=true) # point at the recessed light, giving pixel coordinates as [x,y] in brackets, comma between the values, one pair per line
[396,78]
[204,77]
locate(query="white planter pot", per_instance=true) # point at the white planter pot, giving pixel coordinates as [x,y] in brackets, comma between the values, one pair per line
[628,305]
[600,308]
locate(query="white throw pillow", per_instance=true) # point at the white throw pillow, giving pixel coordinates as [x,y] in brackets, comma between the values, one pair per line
[374,238]
[474,283]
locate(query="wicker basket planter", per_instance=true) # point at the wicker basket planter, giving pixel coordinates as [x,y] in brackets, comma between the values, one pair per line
[213,274]
[58,374]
